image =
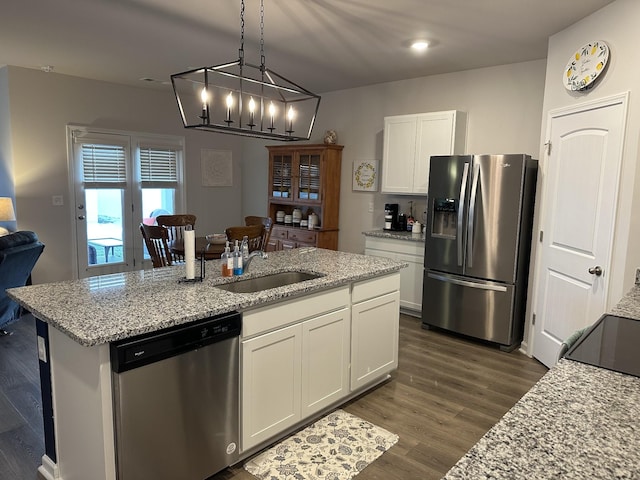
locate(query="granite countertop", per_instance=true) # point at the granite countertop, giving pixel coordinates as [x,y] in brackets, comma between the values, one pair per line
[577,422]
[102,309]
[396,235]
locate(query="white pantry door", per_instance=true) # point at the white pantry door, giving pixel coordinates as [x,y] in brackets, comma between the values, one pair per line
[579,206]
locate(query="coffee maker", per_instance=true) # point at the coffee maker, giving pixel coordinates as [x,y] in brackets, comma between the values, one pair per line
[391,216]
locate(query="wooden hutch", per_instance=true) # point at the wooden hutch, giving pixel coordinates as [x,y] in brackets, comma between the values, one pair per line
[306,177]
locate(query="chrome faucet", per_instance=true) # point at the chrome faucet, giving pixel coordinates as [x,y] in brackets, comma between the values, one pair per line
[252,255]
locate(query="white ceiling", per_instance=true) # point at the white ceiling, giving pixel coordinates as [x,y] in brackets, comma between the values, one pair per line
[323,45]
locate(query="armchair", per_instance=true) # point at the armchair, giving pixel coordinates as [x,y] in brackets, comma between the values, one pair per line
[19,252]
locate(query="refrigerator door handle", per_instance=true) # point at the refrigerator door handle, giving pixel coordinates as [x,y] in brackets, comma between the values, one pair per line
[467,283]
[472,213]
[463,193]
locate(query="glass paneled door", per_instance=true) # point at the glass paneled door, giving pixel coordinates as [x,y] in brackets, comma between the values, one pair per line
[102,180]
[120,181]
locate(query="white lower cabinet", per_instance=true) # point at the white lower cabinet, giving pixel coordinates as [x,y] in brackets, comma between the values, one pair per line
[411,277]
[293,370]
[374,330]
[271,384]
[296,355]
[325,361]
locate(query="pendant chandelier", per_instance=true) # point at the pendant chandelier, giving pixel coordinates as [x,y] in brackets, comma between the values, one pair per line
[239,98]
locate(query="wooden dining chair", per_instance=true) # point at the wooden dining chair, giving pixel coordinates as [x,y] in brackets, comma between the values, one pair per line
[264,221]
[176,225]
[253,232]
[156,239]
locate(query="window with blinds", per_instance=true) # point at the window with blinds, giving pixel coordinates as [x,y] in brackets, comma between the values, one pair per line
[104,165]
[158,167]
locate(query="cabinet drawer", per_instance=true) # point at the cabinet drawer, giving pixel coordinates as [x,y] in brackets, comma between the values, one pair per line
[279,233]
[288,312]
[375,287]
[307,236]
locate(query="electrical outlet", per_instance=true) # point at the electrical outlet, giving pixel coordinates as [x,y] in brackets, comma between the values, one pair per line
[57,200]
[370,207]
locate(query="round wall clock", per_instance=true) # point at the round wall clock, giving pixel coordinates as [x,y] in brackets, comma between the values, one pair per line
[585,66]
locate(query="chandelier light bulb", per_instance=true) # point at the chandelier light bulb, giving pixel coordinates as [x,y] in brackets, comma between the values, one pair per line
[252,108]
[228,121]
[272,113]
[290,115]
[204,96]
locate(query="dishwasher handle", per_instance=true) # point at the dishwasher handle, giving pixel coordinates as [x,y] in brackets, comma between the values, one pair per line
[153,347]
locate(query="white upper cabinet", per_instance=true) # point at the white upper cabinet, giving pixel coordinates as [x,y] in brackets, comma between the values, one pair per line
[410,141]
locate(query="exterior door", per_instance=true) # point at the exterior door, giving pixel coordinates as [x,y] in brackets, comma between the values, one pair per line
[120,180]
[579,206]
[102,223]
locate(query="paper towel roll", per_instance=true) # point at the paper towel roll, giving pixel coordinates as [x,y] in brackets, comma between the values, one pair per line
[190,253]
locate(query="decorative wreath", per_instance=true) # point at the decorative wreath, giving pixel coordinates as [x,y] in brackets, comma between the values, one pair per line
[360,172]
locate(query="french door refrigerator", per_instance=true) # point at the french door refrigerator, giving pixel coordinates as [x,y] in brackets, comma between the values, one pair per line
[477,245]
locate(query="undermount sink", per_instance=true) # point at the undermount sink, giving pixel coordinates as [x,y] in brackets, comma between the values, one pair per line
[252,285]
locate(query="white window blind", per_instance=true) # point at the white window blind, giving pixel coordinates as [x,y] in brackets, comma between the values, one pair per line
[158,167]
[104,165]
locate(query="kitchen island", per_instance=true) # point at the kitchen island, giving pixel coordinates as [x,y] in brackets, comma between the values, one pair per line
[343,324]
[579,421]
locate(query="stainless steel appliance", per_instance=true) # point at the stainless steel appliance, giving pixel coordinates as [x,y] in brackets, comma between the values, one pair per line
[611,343]
[477,245]
[176,401]
[391,216]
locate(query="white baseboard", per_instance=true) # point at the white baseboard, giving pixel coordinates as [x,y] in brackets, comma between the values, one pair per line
[49,470]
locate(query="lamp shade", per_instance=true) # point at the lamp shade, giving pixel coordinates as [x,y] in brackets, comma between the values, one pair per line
[7,213]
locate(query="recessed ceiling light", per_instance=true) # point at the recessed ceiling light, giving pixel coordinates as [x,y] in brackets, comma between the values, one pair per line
[419,45]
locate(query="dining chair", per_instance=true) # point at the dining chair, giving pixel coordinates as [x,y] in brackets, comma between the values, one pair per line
[267,222]
[253,232]
[176,225]
[156,239]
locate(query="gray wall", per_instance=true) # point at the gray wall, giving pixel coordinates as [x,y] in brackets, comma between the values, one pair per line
[504,108]
[616,24]
[42,104]
[6,165]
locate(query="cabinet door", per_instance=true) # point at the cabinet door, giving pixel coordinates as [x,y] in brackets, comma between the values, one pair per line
[271,384]
[435,136]
[399,150]
[374,338]
[281,175]
[308,180]
[325,361]
[411,282]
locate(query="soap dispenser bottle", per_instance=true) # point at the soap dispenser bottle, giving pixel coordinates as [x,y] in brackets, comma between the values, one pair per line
[237,260]
[244,249]
[226,260]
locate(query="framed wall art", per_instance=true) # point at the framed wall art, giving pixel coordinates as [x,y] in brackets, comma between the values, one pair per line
[216,168]
[365,175]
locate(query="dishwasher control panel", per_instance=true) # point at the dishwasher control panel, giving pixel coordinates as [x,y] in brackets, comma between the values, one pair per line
[151,347]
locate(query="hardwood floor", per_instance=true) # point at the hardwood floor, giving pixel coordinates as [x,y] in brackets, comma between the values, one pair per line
[21,431]
[446,394]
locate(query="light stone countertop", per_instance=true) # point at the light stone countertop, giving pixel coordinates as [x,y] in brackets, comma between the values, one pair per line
[396,235]
[103,309]
[578,422]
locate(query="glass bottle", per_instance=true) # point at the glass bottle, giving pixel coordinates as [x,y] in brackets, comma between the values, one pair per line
[226,260]
[237,260]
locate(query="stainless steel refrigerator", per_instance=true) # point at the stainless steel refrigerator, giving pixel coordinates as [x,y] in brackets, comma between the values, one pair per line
[478,239]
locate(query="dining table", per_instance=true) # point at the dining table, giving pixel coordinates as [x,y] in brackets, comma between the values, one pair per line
[211,251]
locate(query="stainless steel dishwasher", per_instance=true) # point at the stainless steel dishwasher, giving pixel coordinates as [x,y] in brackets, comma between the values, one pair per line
[176,400]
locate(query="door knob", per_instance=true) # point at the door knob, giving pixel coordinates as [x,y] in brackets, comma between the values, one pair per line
[597,271]
[81,217]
